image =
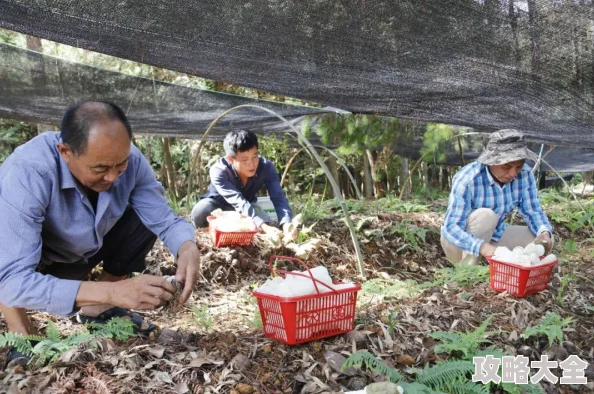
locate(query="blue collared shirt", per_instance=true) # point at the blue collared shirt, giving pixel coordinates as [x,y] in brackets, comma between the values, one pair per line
[473,187]
[46,217]
[226,187]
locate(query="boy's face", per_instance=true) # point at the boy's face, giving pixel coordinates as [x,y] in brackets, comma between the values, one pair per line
[245,163]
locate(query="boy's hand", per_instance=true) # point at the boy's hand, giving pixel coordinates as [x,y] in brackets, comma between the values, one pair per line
[290,232]
[266,229]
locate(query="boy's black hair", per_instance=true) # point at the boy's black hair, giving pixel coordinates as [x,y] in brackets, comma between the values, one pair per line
[239,141]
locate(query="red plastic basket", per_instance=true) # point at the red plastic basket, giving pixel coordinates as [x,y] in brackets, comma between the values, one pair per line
[517,280]
[229,238]
[294,320]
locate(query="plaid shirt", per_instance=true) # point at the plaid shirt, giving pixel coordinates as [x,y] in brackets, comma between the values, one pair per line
[473,187]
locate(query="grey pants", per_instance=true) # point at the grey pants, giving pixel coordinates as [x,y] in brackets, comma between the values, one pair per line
[205,206]
[481,223]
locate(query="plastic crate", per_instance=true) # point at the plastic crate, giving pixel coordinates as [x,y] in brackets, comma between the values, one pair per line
[295,320]
[517,280]
[229,238]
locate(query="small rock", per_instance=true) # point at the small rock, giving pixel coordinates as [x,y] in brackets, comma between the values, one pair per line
[359,337]
[234,253]
[357,383]
[405,359]
[526,351]
[570,347]
[228,258]
[241,362]
[336,360]
[235,263]
[168,335]
[244,388]
[384,388]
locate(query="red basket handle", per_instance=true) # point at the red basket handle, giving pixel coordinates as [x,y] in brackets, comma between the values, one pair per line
[314,280]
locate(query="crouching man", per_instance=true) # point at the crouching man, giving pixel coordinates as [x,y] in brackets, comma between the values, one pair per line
[72,199]
[484,193]
[235,181]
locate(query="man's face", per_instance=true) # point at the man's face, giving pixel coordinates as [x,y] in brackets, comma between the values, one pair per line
[245,163]
[105,159]
[505,173]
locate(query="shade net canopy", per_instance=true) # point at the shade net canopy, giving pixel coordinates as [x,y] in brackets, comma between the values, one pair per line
[458,151]
[488,64]
[39,88]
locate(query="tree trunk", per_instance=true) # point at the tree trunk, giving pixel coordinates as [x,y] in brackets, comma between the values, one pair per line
[170,170]
[445,181]
[367,178]
[377,186]
[405,186]
[425,169]
[149,148]
[38,77]
[331,162]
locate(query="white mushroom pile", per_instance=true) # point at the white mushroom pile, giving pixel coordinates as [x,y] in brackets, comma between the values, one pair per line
[529,256]
[231,221]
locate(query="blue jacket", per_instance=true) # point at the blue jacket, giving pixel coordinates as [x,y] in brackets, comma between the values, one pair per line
[225,187]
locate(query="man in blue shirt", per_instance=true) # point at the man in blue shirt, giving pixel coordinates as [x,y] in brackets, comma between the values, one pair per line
[485,192]
[235,181]
[70,200]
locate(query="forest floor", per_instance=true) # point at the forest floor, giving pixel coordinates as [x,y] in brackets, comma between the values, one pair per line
[215,343]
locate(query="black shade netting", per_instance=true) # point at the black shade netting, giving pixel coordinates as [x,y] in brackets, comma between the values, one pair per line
[489,64]
[39,88]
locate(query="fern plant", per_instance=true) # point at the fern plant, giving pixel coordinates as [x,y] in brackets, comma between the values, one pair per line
[51,346]
[551,325]
[369,361]
[462,274]
[445,377]
[466,343]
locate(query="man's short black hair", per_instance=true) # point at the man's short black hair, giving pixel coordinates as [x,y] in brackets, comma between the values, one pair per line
[80,119]
[239,141]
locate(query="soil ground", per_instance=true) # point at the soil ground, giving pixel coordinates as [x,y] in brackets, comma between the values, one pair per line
[215,343]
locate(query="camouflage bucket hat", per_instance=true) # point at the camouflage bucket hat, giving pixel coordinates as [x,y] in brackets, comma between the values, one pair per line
[506,146]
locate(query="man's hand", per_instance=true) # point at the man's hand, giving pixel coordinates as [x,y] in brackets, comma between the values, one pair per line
[290,232]
[141,292]
[545,240]
[188,267]
[487,249]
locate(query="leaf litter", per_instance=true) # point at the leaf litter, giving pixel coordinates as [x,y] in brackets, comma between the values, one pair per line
[222,349]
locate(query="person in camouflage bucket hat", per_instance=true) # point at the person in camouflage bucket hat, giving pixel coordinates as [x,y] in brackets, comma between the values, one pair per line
[506,146]
[485,192]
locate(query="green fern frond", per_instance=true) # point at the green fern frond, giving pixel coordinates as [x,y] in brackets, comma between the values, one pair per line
[468,343]
[35,338]
[52,331]
[466,387]
[17,341]
[462,274]
[530,388]
[441,374]
[551,325]
[116,328]
[490,351]
[370,362]
[418,388]
[79,338]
